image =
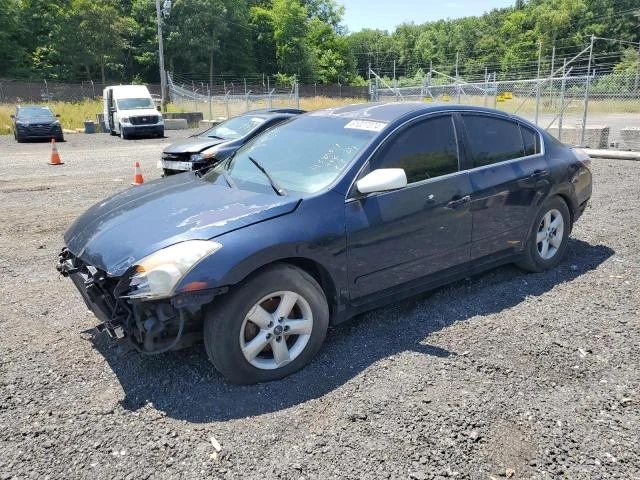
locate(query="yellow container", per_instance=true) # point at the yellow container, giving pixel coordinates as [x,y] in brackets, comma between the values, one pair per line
[428,99]
[446,98]
[507,95]
[500,98]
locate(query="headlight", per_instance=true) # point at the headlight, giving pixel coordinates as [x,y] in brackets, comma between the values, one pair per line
[124,119]
[157,274]
[204,155]
[56,123]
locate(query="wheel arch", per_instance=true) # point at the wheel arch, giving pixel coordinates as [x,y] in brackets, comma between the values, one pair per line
[312,267]
[570,206]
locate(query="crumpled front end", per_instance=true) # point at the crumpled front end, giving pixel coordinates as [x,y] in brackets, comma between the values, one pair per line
[151,327]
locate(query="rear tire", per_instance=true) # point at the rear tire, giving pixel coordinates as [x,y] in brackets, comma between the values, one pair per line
[547,242]
[258,310]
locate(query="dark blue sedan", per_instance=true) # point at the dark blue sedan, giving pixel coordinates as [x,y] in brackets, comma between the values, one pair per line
[318,219]
[36,121]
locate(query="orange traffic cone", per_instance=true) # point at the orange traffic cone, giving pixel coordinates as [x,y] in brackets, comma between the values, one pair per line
[137,177]
[55,158]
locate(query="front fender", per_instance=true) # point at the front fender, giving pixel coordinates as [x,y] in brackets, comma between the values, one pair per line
[314,232]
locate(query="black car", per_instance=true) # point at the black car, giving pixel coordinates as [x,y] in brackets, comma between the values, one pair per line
[220,141]
[36,121]
[318,219]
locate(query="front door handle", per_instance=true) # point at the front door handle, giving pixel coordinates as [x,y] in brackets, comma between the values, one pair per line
[456,202]
[538,174]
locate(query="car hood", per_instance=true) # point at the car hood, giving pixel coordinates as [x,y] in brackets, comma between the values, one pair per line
[31,120]
[123,229]
[193,145]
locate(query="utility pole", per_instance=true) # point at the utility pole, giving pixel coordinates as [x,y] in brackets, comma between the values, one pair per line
[586,92]
[160,12]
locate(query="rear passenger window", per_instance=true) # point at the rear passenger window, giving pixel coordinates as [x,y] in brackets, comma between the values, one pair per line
[531,141]
[492,139]
[424,150]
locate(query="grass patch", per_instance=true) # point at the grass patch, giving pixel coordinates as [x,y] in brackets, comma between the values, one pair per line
[73,114]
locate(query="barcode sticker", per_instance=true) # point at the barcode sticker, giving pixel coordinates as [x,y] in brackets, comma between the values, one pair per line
[365,125]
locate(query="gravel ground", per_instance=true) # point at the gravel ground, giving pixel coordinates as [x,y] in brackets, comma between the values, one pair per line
[505,375]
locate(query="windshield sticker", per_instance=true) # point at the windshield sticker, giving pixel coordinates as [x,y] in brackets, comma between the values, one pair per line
[365,125]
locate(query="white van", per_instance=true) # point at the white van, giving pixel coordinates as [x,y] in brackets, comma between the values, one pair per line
[129,110]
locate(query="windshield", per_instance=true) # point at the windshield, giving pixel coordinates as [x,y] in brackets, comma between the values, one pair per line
[304,155]
[135,103]
[235,127]
[31,112]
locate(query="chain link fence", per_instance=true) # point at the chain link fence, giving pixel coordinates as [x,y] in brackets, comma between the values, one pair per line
[229,100]
[597,110]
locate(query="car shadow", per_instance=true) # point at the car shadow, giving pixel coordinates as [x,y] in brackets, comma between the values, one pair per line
[185,385]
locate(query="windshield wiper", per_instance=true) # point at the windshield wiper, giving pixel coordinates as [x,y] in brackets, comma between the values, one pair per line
[228,178]
[276,188]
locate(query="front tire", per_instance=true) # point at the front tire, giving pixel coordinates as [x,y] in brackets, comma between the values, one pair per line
[547,243]
[123,135]
[268,327]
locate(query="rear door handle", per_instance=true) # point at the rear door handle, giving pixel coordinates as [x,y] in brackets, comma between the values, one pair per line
[456,202]
[538,174]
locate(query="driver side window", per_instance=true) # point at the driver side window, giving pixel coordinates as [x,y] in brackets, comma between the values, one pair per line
[426,149]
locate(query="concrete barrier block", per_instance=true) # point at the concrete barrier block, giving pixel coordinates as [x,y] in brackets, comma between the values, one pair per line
[175,124]
[595,136]
[210,123]
[630,138]
[192,118]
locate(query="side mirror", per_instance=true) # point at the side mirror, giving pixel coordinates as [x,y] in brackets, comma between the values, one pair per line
[382,180]
[159,108]
[58,115]
[12,116]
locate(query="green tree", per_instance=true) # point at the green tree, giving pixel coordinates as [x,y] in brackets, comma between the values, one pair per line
[289,32]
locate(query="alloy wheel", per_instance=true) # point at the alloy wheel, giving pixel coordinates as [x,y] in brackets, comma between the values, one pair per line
[276,330]
[550,234]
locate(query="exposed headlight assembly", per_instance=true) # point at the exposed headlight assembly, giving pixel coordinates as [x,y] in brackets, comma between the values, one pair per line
[157,274]
[207,154]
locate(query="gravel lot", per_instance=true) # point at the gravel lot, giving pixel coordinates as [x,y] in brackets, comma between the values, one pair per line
[502,375]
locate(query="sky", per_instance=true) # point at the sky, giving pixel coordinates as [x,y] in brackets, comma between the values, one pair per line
[387,14]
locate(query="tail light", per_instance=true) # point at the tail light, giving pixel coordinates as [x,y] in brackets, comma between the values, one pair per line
[582,157]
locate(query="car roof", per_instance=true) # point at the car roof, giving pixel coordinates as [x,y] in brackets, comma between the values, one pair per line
[271,112]
[32,106]
[388,112]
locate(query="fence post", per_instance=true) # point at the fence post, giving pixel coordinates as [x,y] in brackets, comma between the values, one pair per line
[457,86]
[486,86]
[538,83]
[637,69]
[495,91]
[210,106]
[297,92]
[226,98]
[586,93]
[246,98]
[562,87]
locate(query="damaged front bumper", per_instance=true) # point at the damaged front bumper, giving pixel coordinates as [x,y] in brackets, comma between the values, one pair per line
[152,326]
